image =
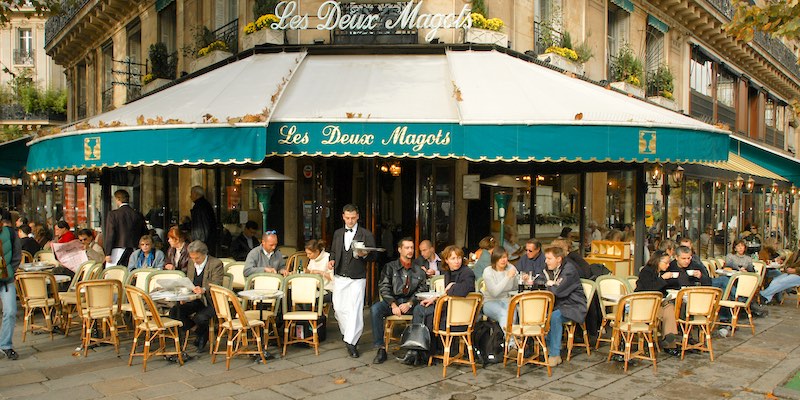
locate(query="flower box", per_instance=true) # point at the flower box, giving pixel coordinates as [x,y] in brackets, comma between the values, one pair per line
[211,58]
[664,102]
[154,84]
[264,36]
[628,88]
[485,36]
[564,63]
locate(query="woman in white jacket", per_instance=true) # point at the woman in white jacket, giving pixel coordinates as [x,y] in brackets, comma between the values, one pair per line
[499,280]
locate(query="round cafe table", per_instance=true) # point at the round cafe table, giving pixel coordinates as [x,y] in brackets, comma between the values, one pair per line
[261,295]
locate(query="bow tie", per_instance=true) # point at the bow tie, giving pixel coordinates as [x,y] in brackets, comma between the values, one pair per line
[348,230]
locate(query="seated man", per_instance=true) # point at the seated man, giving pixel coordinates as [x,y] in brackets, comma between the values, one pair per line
[531,263]
[28,243]
[203,271]
[682,263]
[565,283]
[265,258]
[246,241]
[428,260]
[400,281]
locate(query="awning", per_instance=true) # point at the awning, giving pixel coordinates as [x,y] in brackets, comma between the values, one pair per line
[741,165]
[626,5]
[772,160]
[476,105]
[13,156]
[657,23]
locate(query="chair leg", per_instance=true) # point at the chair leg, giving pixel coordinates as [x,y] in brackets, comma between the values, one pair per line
[176,337]
[286,327]
[750,319]
[133,346]
[146,352]
[468,339]
[570,339]
[314,336]
[734,320]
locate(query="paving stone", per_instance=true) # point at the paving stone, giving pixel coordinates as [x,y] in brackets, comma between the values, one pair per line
[541,395]
[262,394]
[591,378]
[361,375]
[415,378]
[77,393]
[273,378]
[364,391]
[679,392]
[441,390]
[335,365]
[72,381]
[24,391]
[21,378]
[233,375]
[487,377]
[166,389]
[115,386]
[221,391]
[498,392]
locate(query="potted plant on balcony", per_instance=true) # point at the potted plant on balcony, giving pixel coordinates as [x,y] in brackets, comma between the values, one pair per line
[660,87]
[561,53]
[163,67]
[209,50]
[626,72]
[261,32]
[484,30]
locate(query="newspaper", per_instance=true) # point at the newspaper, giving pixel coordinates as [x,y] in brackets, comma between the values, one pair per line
[71,254]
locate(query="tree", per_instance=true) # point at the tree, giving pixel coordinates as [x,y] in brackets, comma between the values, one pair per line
[40,7]
[777,17]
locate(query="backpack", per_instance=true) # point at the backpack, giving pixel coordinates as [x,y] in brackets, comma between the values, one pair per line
[489,342]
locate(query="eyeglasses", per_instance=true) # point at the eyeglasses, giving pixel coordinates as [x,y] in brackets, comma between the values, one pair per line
[529,250]
[271,232]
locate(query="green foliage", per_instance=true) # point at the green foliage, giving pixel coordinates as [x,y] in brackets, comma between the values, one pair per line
[627,67]
[566,40]
[263,7]
[660,82]
[164,65]
[40,7]
[479,7]
[202,38]
[26,93]
[780,18]
[584,52]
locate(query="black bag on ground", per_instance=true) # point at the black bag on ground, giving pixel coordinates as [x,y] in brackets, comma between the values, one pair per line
[416,337]
[489,341]
[303,329]
[598,270]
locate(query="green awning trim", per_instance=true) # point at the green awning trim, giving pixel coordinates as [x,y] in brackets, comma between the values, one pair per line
[164,145]
[626,5]
[496,142]
[657,23]
[162,4]
[13,156]
[782,165]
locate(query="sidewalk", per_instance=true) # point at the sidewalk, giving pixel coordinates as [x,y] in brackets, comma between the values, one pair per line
[745,367]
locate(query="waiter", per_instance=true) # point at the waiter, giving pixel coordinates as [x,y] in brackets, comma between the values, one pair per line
[350,272]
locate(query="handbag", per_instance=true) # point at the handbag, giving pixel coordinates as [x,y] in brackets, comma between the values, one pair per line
[416,337]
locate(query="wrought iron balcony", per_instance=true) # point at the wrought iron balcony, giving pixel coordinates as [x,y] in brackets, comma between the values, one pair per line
[15,112]
[56,23]
[24,57]
[773,46]
[229,33]
[108,99]
[544,37]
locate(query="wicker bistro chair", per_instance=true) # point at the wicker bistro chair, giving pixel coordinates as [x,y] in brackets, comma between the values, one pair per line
[698,310]
[637,315]
[461,314]
[233,322]
[295,260]
[256,309]
[437,283]
[98,300]
[535,309]
[147,322]
[38,291]
[155,279]
[46,256]
[746,284]
[589,288]
[69,299]
[27,257]
[711,267]
[308,290]
[227,281]
[609,285]
[237,270]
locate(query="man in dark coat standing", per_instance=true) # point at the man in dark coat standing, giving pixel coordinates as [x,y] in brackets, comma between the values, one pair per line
[565,283]
[124,227]
[350,272]
[204,220]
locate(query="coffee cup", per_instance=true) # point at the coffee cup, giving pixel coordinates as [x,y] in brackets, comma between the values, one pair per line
[690,272]
[183,290]
[674,275]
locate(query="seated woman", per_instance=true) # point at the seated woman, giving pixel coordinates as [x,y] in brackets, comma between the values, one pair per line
[318,264]
[63,234]
[653,278]
[177,255]
[458,282]
[739,260]
[93,250]
[499,280]
[146,256]
[484,253]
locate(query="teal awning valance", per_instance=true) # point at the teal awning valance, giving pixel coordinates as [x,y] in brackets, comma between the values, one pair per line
[626,5]
[13,156]
[657,23]
[140,146]
[785,166]
[162,4]
[496,142]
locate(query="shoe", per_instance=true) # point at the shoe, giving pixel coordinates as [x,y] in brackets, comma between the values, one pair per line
[553,361]
[410,358]
[674,351]
[10,354]
[380,356]
[201,343]
[352,350]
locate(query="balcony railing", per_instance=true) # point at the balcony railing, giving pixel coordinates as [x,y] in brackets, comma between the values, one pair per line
[56,23]
[81,110]
[108,99]
[544,37]
[773,46]
[24,57]
[15,112]
[229,33]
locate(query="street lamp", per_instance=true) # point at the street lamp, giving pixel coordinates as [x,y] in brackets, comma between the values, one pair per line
[739,182]
[502,197]
[264,184]
[751,183]
[677,174]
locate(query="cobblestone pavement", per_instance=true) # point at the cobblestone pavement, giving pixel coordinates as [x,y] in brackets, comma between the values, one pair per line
[745,367]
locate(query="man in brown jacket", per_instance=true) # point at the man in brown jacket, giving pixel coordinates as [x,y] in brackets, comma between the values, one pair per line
[203,271]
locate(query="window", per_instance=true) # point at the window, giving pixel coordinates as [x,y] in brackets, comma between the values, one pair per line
[726,88]
[23,54]
[617,28]
[654,43]
[108,76]
[80,84]
[133,66]
[167,27]
[769,113]
[225,11]
[700,72]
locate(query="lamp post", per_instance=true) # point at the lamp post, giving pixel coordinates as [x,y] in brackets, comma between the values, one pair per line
[502,197]
[264,185]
